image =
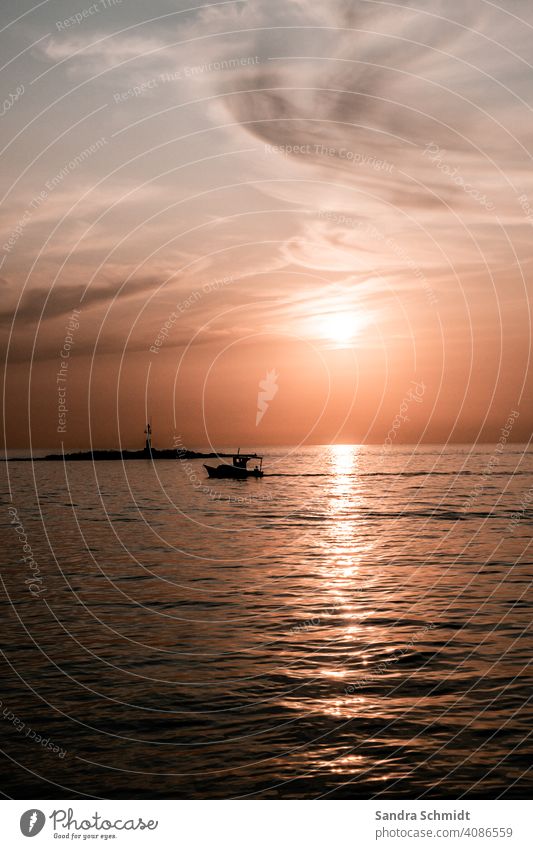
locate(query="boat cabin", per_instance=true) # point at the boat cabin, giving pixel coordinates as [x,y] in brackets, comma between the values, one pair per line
[240,461]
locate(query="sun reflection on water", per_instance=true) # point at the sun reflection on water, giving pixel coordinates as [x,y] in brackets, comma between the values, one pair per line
[348,543]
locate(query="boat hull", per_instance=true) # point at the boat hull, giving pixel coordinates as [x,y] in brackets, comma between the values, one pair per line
[227,471]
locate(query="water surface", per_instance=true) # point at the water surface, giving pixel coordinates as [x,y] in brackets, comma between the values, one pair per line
[351,626]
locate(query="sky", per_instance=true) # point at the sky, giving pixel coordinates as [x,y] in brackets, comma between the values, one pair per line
[263,223]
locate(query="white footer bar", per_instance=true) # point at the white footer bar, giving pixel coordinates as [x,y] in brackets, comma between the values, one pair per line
[275,824]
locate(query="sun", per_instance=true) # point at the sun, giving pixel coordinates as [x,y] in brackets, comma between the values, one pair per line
[340,328]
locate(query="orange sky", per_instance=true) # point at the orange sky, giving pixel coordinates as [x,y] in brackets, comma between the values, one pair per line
[332,202]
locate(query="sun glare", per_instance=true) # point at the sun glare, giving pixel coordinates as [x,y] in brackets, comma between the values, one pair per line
[340,328]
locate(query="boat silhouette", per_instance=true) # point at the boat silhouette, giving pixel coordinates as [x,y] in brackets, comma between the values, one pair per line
[237,468]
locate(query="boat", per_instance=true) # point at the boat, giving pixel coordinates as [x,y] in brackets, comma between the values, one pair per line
[237,469]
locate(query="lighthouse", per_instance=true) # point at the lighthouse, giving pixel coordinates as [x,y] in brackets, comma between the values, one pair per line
[148,443]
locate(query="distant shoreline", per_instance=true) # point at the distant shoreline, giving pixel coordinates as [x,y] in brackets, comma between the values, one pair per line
[115,454]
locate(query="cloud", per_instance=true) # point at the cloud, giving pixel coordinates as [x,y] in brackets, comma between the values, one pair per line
[355,82]
[63,299]
[103,51]
[366,88]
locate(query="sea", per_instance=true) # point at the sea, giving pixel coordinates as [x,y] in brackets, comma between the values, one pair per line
[355,624]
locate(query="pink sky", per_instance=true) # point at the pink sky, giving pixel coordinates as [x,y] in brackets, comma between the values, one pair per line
[340,194]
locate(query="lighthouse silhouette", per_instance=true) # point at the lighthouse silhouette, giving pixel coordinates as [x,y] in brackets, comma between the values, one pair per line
[148,443]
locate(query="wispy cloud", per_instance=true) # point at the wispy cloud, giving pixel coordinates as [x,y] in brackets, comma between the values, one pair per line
[363,88]
[42,304]
[103,50]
